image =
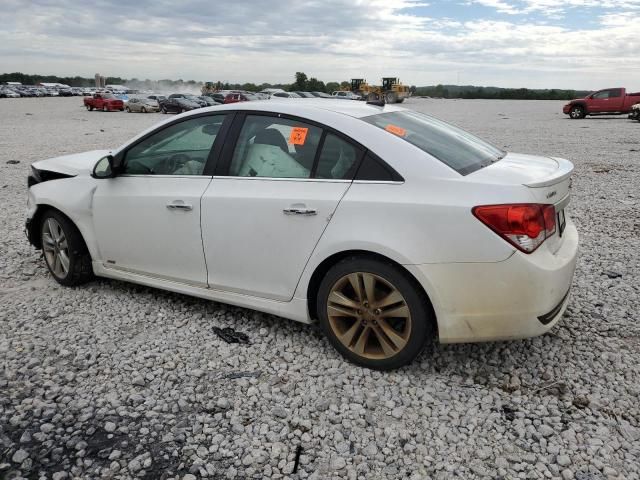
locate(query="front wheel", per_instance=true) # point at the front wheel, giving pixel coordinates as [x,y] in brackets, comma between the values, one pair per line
[373,313]
[391,97]
[577,112]
[104,108]
[143,110]
[163,110]
[64,250]
[128,110]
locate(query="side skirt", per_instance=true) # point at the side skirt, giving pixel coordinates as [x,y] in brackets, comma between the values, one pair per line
[296,309]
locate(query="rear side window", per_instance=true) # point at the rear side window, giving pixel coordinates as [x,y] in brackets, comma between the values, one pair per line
[338,158]
[374,169]
[463,152]
[275,147]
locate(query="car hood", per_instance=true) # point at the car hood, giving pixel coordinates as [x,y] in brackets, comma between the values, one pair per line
[522,169]
[76,164]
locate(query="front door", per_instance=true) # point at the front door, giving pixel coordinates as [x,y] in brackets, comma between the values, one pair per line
[147,220]
[262,219]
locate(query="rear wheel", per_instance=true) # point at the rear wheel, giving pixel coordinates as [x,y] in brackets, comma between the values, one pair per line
[128,110]
[577,112]
[143,110]
[373,313]
[391,97]
[64,250]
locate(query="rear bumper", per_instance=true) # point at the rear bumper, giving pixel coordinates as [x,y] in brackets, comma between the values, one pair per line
[523,296]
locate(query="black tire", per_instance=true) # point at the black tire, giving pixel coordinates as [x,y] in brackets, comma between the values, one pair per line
[143,110]
[88,107]
[80,270]
[390,97]
[128,110]
[104,108]
[577,112]
[422,321]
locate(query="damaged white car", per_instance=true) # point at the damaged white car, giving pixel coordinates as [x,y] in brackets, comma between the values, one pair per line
[389,227]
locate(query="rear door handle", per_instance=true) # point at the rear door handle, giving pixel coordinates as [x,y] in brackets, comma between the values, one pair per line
[179,205]
[296,210]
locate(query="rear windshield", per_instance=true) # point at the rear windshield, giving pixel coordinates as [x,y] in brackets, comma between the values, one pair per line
[454,147]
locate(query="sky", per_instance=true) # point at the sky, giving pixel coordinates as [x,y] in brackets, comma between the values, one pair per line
[581,44]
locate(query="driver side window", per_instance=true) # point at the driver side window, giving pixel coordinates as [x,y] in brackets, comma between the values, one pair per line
[602,95]
[179,149]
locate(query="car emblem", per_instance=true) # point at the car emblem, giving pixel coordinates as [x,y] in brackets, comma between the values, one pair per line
[551,194]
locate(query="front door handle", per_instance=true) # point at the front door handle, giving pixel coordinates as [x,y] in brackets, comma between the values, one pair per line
[185,207]
[300,210]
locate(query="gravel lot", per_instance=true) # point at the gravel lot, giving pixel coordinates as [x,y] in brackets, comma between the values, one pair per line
[113,380]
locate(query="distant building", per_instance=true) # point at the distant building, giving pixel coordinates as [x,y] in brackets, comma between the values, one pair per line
[100,80]
[53,85]
[119,88]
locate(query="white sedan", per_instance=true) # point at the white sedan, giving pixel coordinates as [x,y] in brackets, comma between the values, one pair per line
[387,226]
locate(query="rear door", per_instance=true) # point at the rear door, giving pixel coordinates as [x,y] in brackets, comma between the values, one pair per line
[281,180]
[616,100]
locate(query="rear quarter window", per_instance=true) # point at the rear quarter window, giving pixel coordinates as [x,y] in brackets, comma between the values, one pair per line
[460,150]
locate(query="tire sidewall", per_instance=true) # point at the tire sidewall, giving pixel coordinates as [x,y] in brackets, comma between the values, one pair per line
[76,246]
[579,112]
[422,322]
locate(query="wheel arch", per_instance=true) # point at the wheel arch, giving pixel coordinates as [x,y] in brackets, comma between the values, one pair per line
[33,228]
[323,267]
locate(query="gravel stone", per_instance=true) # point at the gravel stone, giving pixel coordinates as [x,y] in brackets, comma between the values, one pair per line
[115,380]
[20,456]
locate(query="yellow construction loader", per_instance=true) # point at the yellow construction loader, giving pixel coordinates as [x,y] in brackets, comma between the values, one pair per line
[391,91]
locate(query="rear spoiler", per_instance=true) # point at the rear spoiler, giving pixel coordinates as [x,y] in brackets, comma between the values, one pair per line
[565,169]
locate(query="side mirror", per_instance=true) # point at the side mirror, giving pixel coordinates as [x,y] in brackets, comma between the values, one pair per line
[104,168]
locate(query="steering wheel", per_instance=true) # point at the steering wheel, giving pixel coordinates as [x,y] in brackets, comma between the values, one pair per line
[174,162]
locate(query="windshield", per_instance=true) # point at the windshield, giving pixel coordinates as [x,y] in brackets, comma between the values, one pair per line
[463,152]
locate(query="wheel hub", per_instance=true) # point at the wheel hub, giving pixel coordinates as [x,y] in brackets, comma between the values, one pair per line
[369,315]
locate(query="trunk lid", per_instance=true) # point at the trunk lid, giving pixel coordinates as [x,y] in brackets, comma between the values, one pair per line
[548,178]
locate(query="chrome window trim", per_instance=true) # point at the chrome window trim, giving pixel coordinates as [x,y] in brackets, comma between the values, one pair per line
[383,182]
[282,179]
[148,175]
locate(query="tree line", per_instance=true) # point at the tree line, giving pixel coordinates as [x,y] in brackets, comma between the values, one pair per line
[303,83]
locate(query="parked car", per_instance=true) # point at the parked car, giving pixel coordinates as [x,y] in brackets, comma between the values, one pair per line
[388,226]
[210,101]
[143,105]
[103,101]
[65,92]
[270,91]
[216,96]
[611,101]
[156,97]
[345,95]
[240,97]
[304,94]
[177,103]
[285,95]
[321,95]
[8,93]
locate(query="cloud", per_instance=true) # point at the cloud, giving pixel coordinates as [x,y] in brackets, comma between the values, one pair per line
[332,40]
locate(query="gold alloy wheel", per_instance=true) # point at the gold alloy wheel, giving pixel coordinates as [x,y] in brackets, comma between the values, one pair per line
[369,315]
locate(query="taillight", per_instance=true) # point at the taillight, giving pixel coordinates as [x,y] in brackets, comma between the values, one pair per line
[525,225]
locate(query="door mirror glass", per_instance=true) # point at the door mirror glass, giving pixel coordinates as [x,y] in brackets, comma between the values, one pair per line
[104,167]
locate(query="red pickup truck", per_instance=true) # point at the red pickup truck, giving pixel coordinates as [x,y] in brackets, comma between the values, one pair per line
[612,101]
[103,101]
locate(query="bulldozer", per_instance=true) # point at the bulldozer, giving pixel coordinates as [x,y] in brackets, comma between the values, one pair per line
[391,91]
[211,87]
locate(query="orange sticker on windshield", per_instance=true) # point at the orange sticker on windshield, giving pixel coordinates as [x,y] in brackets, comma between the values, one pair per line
[298,136]
[401,132]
